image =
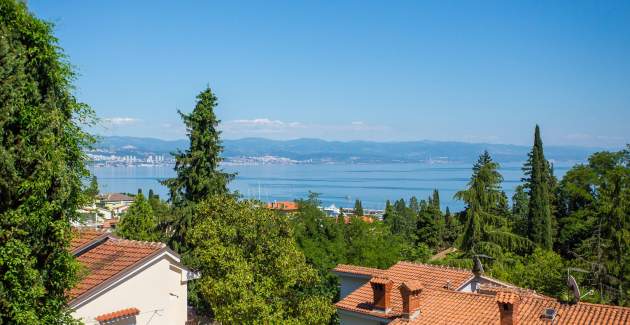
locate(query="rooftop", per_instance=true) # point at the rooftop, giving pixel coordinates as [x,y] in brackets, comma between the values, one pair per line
[442,304]
[110,258]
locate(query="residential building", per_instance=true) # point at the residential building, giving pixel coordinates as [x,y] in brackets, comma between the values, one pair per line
[127,282]
[114,199]
[411,293]
[283,206]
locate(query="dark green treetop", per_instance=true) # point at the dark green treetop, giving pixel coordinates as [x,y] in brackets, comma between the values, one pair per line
[538,172]
[358,208]
[198,172]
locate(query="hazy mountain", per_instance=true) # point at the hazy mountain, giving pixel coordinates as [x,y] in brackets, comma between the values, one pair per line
[317,150]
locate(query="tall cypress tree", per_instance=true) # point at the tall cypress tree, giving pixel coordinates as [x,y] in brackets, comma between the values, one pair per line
[358,208]
[41,170]
[539,228]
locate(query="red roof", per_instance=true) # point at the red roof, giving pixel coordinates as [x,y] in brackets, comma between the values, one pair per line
[118,314]
[84,236]
[286,206]
[109,259]
[439,305]
[347,219]
[115,197]
[358,270]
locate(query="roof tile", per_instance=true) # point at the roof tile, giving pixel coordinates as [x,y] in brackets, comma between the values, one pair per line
[118,314]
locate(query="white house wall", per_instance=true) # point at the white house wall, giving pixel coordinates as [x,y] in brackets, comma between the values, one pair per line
[158,292]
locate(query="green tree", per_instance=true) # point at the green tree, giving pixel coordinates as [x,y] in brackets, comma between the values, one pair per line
[484,231]
[358,208]
[42,166]
[251,269]
[538,173]
[198,170]
[520,211]
[92,189]
[139,222]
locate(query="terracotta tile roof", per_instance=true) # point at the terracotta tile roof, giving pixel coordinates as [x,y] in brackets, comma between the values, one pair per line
[115,197]
[358,270]
[507,297]
[109,259]
[347,219]
[445,306]
[118,314]
[84,236]
[429,276]
[283,206]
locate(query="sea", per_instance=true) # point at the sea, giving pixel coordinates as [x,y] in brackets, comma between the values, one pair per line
[337,183]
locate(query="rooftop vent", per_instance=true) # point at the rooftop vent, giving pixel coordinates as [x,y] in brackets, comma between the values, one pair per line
[549,314]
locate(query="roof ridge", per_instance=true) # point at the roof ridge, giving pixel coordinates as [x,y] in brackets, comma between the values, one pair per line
[138,242]
[442,266]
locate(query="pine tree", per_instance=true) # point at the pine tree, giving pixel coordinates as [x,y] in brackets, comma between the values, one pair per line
[539,222]
[484,231]
[198,170]
[42,166]
[520,201]
[358,208]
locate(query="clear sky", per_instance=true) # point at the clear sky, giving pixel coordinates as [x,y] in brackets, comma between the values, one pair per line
[476,71]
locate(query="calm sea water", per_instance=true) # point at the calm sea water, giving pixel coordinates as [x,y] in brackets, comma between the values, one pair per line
[340,184]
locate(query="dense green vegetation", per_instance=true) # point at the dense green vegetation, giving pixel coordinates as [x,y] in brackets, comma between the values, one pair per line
[41,170]
[139,222]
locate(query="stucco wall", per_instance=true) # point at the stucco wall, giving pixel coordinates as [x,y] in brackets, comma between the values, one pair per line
[157,291]
[346,319]
[348,284]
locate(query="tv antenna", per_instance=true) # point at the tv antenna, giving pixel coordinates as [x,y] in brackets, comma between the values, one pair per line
[573,286]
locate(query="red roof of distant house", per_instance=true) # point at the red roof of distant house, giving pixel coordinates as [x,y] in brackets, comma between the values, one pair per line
[110,223]
[347,219]
[286,206]
[441,304]
[111,258]
[118,315]
[115,197]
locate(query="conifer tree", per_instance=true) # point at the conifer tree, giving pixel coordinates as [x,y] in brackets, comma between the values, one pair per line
[42,166]
[484,231]
[198,171]
[358,208]
[92,189]
[435,199]
[539,222]
[139,222]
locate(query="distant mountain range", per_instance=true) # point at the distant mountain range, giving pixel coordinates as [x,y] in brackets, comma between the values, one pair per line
[321,151]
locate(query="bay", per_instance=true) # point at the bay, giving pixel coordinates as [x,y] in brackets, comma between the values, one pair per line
[338,184]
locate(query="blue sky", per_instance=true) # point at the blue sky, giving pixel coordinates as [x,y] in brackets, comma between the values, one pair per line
[372,70]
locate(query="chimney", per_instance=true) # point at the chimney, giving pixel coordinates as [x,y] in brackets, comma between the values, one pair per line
[410,291]
[382,289]
[508,303]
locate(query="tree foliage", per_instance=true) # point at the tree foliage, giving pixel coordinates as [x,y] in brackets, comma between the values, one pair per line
[538,182]
[198,171]
[486,231]
[41,169]
[139,222]
[251,269]
[358,208]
